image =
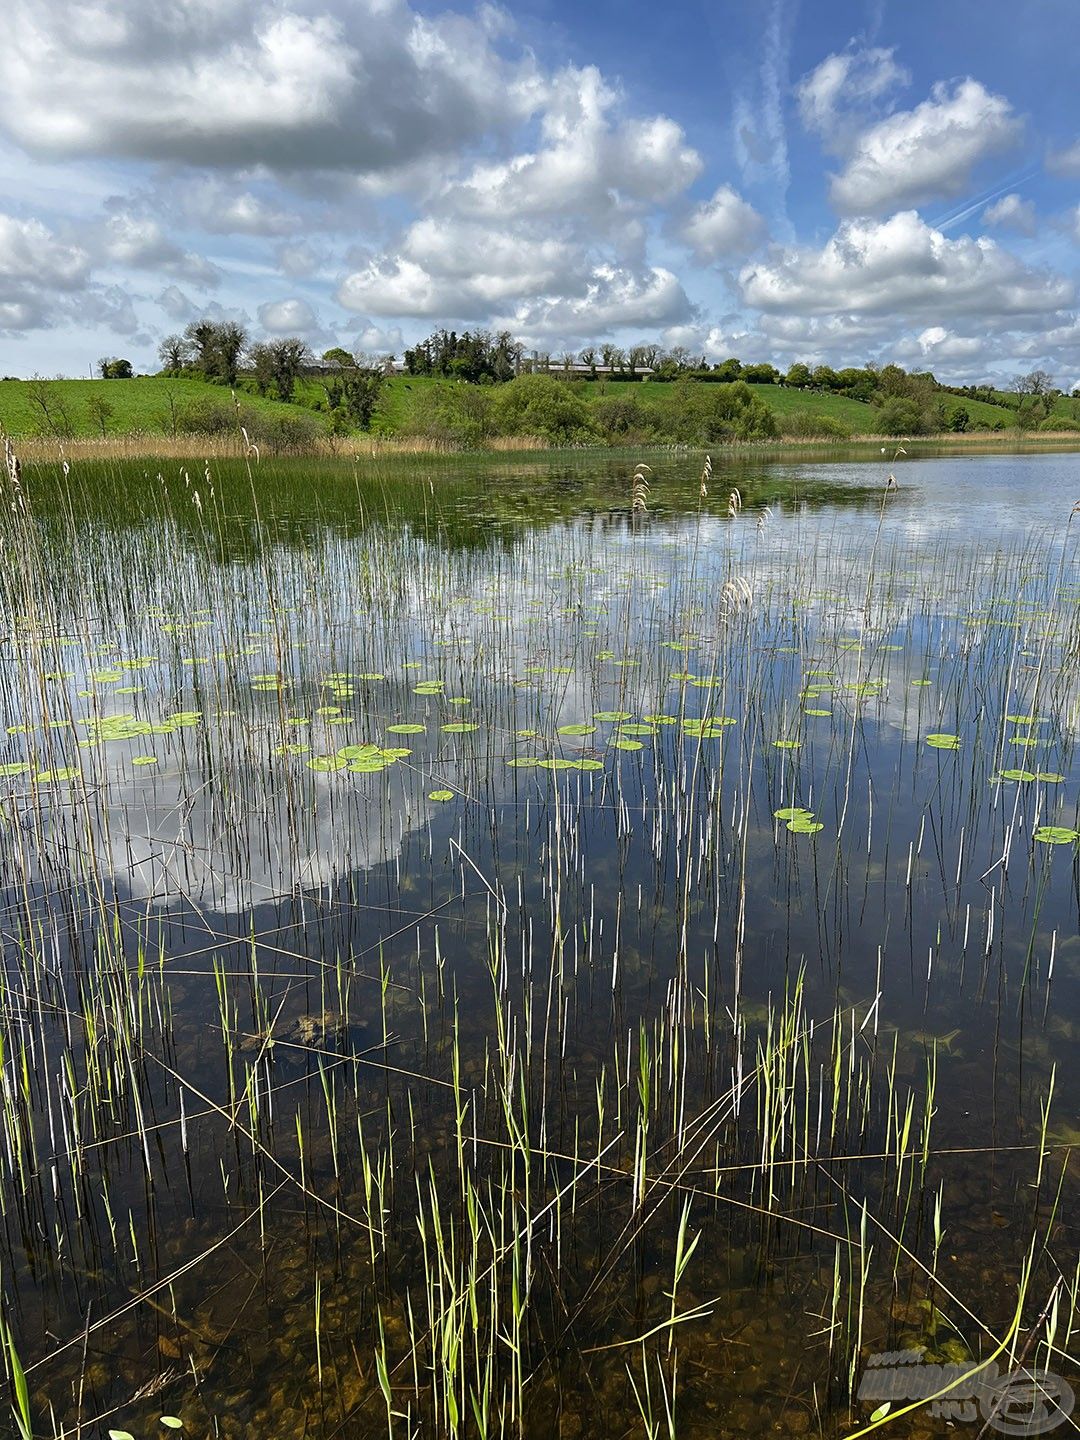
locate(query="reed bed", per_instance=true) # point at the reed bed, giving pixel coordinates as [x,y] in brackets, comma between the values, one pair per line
[607,972]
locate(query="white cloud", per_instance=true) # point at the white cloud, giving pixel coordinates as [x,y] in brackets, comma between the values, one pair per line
[461,269]
[614,298]
[1011,213]
[1065,162]
[925,153]
[936,343]
[590,164]
[177,305]
[834,97]
[287,317]
[140,243]
[37,272]
[902,268]
[222,209]
[722,227]
[365,86]
[375,340]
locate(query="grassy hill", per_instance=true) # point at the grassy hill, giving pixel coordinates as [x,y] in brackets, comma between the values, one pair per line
[152,405]
[159,405]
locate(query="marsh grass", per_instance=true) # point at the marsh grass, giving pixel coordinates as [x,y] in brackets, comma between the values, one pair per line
[329,1108]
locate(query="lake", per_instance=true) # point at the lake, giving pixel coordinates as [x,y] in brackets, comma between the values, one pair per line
[493,947]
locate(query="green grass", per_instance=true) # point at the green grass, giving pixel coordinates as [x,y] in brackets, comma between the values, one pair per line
[140,405]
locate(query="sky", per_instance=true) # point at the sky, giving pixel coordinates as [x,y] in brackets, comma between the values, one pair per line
[838,183]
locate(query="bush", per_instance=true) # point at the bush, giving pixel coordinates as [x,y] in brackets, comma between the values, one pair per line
[1059,422]
[555,410]
[623,418]
[287,433]
[900,417]
[454,414]
[806,424]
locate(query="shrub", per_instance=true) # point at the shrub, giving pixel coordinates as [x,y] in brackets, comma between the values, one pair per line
[555,410]
[808,425]
[900,417]
[1059,422]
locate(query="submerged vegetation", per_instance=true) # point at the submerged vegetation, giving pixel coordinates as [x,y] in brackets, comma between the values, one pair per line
[515,948]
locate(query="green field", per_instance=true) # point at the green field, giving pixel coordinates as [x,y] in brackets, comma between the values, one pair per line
[144,405]
[158,405]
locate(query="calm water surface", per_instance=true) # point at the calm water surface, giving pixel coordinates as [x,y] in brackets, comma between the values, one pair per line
[413,999]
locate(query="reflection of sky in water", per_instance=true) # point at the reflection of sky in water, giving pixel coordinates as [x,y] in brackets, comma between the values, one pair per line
[582,615]
[933,919]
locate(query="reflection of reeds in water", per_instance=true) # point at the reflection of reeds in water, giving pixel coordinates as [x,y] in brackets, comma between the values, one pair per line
[466,1112]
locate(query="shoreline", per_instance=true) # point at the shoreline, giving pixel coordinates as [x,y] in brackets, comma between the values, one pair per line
[138,446]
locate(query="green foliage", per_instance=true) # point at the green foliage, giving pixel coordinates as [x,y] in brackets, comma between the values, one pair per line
[813,425]
[111,368]
[900,416]
[555,410]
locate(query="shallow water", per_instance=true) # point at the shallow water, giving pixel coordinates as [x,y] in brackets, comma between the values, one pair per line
[326,1076]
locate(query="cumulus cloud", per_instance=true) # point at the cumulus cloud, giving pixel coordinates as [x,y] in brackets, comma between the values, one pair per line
[723,227]
[1011,213]
[904,268]
[834,97]
[365,86]
[590,163]
[141,243]
[925,153]
[223,209]
[936,343]
[36,268]
[1065,162]
[177,305]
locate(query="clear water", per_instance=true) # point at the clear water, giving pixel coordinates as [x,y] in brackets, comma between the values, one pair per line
[271,1010]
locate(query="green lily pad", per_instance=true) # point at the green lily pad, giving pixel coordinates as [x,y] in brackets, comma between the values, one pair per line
[943,742]
[406,729]
[440,795]
[1056,835]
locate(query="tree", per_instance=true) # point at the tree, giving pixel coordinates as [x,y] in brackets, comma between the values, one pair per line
[174,353]
[1036,382]
[762,374]
[101,412]
[900,417]
[824,377]
[49,408]
[588,357]
[338,356]
[111,368]
[278,364]
[958,419]
[728,370]
[360,390]
[216,348]
[798,375]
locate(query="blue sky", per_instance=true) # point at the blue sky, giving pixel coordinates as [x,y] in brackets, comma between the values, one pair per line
[833,183]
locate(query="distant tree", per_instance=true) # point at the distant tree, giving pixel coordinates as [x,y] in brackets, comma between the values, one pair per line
[278,364]
[174,353]
[761,374]
[798,375]
[823,377]
[338,356]
[49,408]
[588,357]
[360,391]
[111,368]
[728,370]
[1036,382]
[216,348]
[958,419]
[101,412]
[566,360]
[612,357]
